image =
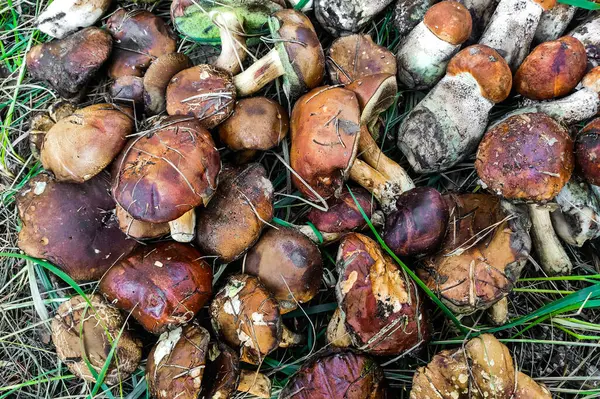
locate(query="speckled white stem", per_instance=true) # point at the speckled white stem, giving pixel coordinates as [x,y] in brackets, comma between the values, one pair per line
[554,22]
[551,254]
[184,228]
[577,219]
[63,17]
[259,74]
[481,12]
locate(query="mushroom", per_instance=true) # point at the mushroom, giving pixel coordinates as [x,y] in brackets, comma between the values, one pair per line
[245,315]
[337,374]
[71,225]
[577,219]
[162,285]
[588,33]
[297,57]
[63,17]
[380,309]
[95,136]
[481,12]
[128,90]
[41,123]
[233,220]
[138,229]
[424,54]
[544,165]
[68,64]
[84,333]
[289,264]
[587,152]
[446,126]
[157,78]
[554,22]
[552,69]
[340,17]
[163,176]
[528,388]
[408,14]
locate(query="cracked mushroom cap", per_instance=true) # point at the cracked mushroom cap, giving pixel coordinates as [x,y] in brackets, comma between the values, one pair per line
[380,306]
[71,225]
[485,249]
[587,152]
[289,264]
[161,176]
[337,374]
[246,316]
[42,122]
[138,229]
[79,327]
[140,37]
[325,127]
[81,145]
[163,285]
[526,157]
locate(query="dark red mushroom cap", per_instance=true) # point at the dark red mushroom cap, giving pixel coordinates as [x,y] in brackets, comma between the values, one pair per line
[163,285]
[128,90]
[343,214]
[222,373]
[587,152]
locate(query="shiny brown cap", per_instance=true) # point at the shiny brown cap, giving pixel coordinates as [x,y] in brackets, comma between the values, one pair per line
[587,152]
[450,21]
[592,80]
[222,373]
[157,78]
[128,90]
[343,215]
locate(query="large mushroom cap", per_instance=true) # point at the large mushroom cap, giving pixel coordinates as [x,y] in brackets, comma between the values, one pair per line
[163,285]
[128,90]
[587,152]
[71,225]
[526,157]
[162,176]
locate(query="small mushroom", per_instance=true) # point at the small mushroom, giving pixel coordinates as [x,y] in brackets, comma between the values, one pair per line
[163,285]
[577,219]
[408,14]
[84,334]
[157,78]
[71,225]
[424,54]
[63,17]
[340,17]
[41,123]
[528,388]
[587,152]
[138,229]
[554,22]
[588,33]
[69,64]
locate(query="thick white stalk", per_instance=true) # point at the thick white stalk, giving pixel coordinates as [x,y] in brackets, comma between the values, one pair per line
[184,228]
[233,42]
[554,22]
[551,254]
[259,74]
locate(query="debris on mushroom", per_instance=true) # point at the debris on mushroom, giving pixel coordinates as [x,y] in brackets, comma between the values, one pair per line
[554,22]
[138,229]
[341,17]
[63,17]
[68,64]
[42,122]
[163,285]
[157,78]
[587,152]
[577,218]
[588,33]
[84,334]
[408,14]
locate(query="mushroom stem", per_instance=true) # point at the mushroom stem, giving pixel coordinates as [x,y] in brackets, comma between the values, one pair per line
[553,258]
[377,220]
[337,334]
[183,228]
[384,190]
[233,43]
[290,338]
[259,74]
[498,312]
[254,383]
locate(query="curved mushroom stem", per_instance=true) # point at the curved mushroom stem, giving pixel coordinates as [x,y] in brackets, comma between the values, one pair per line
[553,258]
[377,220]
[184,228]
[259,74]
[498,312]
[233,43]
[254,383]
[337,334]
[290,338]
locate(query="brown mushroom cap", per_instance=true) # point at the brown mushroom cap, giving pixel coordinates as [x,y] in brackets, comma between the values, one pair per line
[526,157]
[204,92]
[587,152]
[163,285]
[140,37]
[343,215]
[552,69]
[234,218]
[591,80]
[128,90]
[375,94]
[245,315]
[95,135]
[485,249]
[71,225]
[157,78]
[138,229]
[162,176]
[325,127]
[78,326]
[450,21]
[528,388]
[257,123]
[489,69]
[222,373]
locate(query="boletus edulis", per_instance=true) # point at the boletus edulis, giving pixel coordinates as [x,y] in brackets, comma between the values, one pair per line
[62,18]
[587,152]
[138,229]
[42,122]
[341,18]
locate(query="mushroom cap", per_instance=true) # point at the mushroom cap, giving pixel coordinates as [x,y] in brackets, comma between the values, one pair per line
[343,215]
[76,325]
[418,225]
[61,109]
[95,136]
[325,128]
[141,37]
[163,285]
[138,229]
[246,316]
[587,152]
[176,364]
[357,56]
[591,80]
[552,69]
[39,125]
[450,21]
[234,218]
[337,374]
[128,90]
[204,92]
[71,225]
[157,78]
[487,67]
[485,249]
[222,373]
[526,157]
[528,388]
[289,264]
[375,94]
[257,123]
[162,176]
[382,309]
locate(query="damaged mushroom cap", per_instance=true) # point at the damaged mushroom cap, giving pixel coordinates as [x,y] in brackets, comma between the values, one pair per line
[337,374]
[39,125]
[236,215]
[289,264]
[157,78]
[381,308]
[83,333]
[341,17]
[375,94]
[204,92]
[140,37]
[95,136]
[552,69]
[485,249]
[138,229]
[163,285]
[128,90]
[587,152]
[577,218]
[71,225]
[545,158]
[162,176]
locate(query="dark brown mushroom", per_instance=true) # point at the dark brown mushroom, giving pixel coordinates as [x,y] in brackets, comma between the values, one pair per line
[587,152]
[128,90]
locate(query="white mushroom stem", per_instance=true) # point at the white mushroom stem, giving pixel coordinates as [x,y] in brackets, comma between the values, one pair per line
[63,17]
[289,338]
[259,74]
[254,383]
[184,228]
[384,191]
[481,12]
[554,22]
[233,42]
[377,220]
[498,312]
[577,219]
[588,33]
[551,254]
